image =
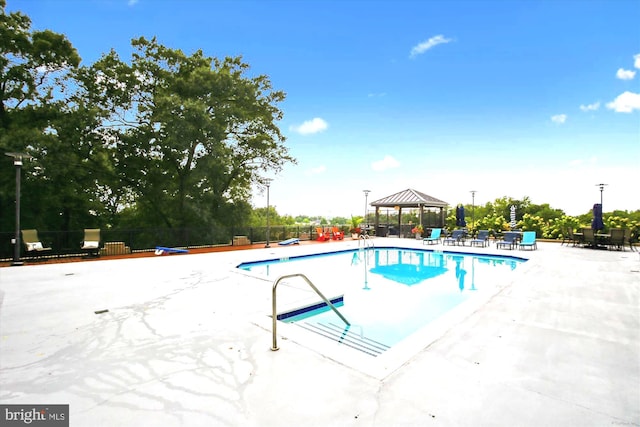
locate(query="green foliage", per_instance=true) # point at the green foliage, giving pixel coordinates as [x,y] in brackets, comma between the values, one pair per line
[339,220]
[34,69]
[493,222]
[547,222]
[166,139]
[192,133]
[354,224]
[557,227]
[533,223]
[258,217]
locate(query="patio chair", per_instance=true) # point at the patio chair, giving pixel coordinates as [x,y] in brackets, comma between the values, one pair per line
[434,237]
[32,243]
[589,237]
[575,237]
[337,233]
[482,239]
[627,239]
[568,236]
[528,240]
[616,239]
[322,235]
[91,242]
[457,237]
[508,240]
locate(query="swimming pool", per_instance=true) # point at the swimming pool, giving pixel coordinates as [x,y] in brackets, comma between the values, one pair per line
[386,294]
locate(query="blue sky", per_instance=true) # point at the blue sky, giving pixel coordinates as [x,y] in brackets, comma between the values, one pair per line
[507,98]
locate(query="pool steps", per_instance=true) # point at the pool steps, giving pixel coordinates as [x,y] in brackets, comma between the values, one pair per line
[344,335]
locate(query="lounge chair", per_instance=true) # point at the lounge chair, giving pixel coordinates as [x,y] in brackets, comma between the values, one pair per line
[528,240]
[457,236]
[508,240]
[337,234]
[91,242]
[434,237]
[322,235]
[32,243]
[482,239]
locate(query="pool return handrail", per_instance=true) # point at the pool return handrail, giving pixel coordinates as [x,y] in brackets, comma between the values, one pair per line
[366,241]
[274,347]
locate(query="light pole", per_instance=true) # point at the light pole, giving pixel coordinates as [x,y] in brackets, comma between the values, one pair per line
[473,209]
[601,190]
[267,182]
[17,162]
[366,195]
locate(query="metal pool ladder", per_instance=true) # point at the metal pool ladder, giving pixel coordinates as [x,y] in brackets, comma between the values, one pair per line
[274,346]
[366,241]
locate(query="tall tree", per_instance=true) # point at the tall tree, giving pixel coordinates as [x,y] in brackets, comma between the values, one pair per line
[190,134]
[33,68]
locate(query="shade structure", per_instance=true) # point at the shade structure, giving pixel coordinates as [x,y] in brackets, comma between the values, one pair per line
[411,199]
[460,222]
[597,223]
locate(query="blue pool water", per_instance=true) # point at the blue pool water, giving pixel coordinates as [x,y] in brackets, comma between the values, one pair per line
[388,293]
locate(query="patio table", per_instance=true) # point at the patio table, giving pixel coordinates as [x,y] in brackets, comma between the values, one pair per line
[599,242]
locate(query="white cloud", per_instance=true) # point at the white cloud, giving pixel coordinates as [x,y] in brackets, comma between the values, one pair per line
[625,103]
[623,74]
[426,45]
[590,107]
[559,118]
[636,60]
[387,163]
[314,125]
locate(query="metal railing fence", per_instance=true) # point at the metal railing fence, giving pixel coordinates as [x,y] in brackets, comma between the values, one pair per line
[68,243]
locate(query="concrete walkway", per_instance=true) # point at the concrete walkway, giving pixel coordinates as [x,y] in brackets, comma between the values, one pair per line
[183,343]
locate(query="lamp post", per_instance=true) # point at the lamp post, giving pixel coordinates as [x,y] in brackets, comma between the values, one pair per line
[366,195]
[601,190]
[17,162]
[268,184]
[473,209]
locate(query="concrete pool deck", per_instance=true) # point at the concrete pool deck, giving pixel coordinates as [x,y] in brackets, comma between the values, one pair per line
[182,344]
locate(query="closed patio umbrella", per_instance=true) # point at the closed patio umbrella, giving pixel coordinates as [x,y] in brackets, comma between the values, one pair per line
[597,223]
[460,222]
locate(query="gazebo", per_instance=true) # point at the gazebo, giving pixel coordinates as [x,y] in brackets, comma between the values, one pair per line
[410,199]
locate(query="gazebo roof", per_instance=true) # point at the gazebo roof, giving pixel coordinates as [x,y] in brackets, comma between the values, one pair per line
[409,198]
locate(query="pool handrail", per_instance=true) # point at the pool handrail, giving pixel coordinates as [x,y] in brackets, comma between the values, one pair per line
[274,346]
[365,238]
